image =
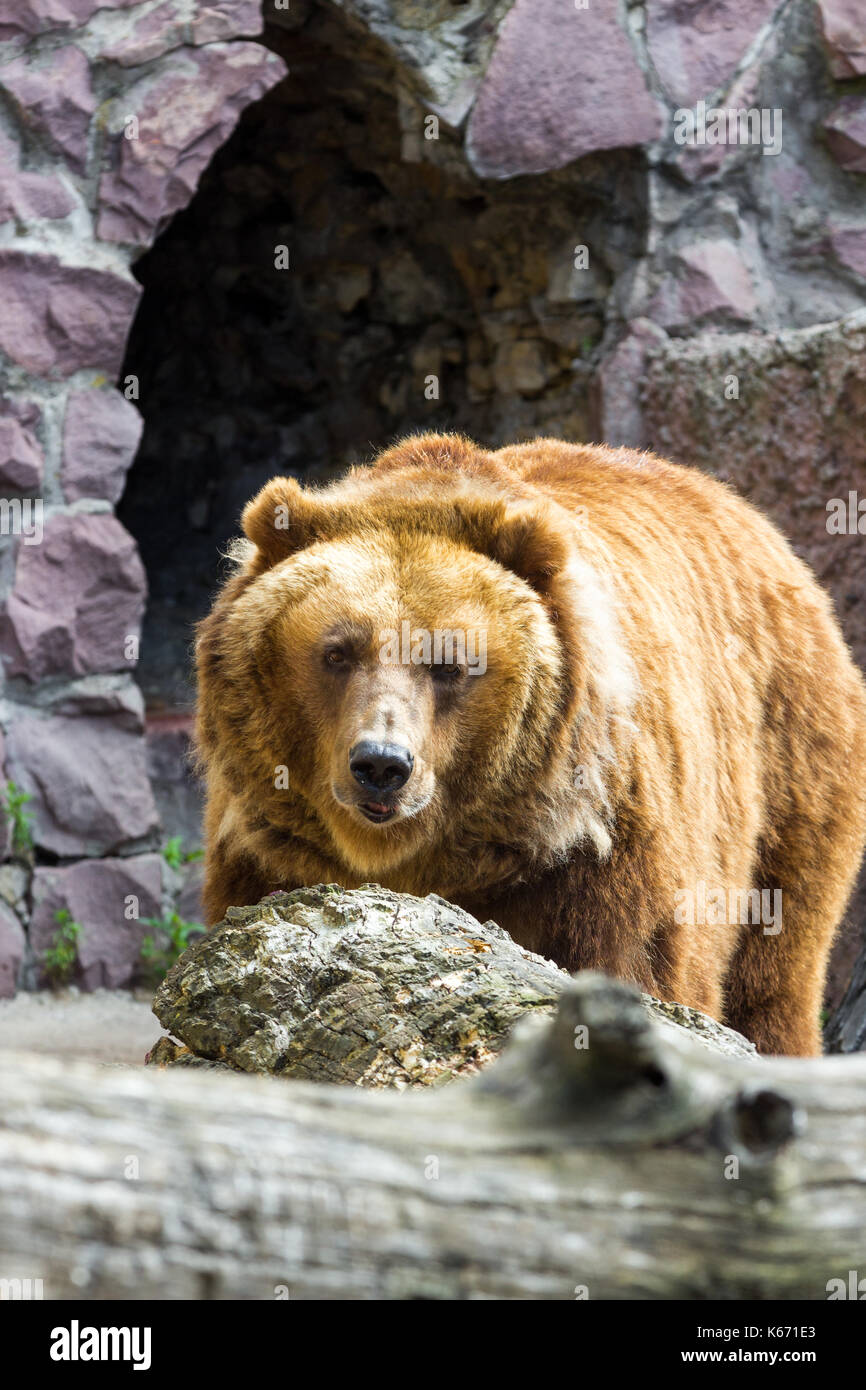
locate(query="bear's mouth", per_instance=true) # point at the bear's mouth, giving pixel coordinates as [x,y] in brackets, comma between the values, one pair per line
[377,811]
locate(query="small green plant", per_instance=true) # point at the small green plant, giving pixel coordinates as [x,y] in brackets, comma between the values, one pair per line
[169,941]
[22,835]
[174,855]
[60,957]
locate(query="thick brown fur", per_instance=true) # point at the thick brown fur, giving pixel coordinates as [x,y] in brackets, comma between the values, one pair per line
[668,703]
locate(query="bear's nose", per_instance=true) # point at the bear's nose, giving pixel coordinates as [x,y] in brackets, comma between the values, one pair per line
[381,767]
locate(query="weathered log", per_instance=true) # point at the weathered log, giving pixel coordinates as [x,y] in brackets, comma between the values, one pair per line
[364,986]
[604,1152]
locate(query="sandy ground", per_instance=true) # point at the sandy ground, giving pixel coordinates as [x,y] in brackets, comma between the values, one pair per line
[106,1026]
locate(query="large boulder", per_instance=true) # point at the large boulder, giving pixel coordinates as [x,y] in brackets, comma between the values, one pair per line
[58,319]
[783,417]
[101,432]
[561,83]
[77,602]
[87,775]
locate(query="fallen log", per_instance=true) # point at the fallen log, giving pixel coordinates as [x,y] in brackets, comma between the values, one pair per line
[606,1154]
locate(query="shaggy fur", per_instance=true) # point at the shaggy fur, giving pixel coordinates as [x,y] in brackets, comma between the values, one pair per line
[668,703]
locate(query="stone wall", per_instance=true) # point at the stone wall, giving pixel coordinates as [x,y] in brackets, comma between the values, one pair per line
[491,225]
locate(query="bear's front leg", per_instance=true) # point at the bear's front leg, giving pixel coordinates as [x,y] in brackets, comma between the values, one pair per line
[230,880]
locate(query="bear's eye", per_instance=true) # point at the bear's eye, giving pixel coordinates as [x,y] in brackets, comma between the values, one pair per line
[440,672]
[336,657]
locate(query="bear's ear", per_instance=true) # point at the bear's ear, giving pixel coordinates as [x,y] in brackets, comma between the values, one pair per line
[529,542]
[280,520]
[444,453]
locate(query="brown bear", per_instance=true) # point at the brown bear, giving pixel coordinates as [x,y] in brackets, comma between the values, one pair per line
[581,691]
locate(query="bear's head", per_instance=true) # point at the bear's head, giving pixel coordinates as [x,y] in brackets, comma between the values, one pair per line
[398,669]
